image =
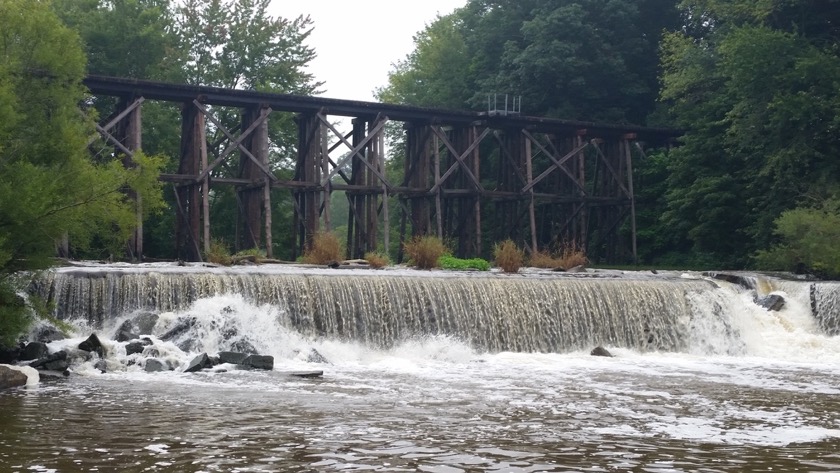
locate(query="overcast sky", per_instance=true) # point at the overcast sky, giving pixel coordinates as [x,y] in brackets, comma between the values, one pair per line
[357,41]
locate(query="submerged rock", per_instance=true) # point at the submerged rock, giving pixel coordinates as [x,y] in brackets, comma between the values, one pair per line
[773,302]
[136,346]
[154,365]
[11,377]
[600,351]
[182,326]
[243,346]
[101,365]
[307,374]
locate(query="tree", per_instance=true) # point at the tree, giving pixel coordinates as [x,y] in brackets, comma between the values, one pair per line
[759,101]
[584,60]
[49,187]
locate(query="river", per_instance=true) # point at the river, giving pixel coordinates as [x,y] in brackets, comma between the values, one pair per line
[756,392]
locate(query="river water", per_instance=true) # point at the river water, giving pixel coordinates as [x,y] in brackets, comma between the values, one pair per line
[757,393]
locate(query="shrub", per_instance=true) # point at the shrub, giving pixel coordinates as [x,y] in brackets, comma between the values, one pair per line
[218,253]
[377,260]
[451,262]
[571,256]
[424,251]
[508,256]
[543,259]
[15,316]
[323,248]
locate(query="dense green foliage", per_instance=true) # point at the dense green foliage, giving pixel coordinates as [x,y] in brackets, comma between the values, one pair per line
[50,188]
[756,87]
[585,60]
[451,262]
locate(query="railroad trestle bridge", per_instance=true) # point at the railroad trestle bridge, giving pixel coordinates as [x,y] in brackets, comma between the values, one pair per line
[546,180]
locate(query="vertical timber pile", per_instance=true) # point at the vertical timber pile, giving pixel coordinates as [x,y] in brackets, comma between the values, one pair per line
[254,198]
[129,131]
[308,173]
[417,170]
[187,194]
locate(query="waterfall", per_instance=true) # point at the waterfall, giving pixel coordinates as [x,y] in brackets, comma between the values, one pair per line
[490,312]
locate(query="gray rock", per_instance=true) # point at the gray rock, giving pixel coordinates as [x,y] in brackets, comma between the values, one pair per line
[34,351]
[233,357]
[199,363]
[55,357]
[10,378]
[600,351]
[243,346]
[182,326]
[125,335]
[48,333]
[136,346]
[93,345]
[153,365]
[101,365]
[307,374]
[9,355]
[261,362]
[145,322]
[773,302]
[577,269]
[315,357]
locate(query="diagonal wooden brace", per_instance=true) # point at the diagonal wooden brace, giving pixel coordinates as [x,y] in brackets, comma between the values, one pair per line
[558,163]
[239,145]
[612,171]
[116,142]
[115,120]
[459,159]
[235,144]
[355,151]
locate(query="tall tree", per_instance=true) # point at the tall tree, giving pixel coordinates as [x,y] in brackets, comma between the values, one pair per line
[760,102]
[49,187]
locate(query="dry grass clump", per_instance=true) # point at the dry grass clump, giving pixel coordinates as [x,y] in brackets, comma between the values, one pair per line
[572,256]
[218,253]
[568,257]
[543,259]
[424,251]
[508,256]
[323,249]
[377,260]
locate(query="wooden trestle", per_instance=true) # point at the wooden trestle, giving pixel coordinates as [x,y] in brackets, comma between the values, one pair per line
[470,178]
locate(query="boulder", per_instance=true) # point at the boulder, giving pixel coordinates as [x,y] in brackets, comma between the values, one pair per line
[736,279]
[136,346]
[11,377]
[315,357]
[154,365]
[199,363]
[48,333]
[773,302]
[243,346]
[182,326]
[233,357]
[55,362]
[34,351]
[600,351]
[101,365]
[124,336]
[145,322]
[9,355]
[93,345]
[261,362]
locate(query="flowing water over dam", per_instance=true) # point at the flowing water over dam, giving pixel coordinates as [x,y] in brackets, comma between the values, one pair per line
[438,371]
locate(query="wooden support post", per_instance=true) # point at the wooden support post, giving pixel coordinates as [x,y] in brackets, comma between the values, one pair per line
[205,183]
[438,193]
[253,161]
[529,172]
[625,143]
[132,129]
[325,171]
[187,195]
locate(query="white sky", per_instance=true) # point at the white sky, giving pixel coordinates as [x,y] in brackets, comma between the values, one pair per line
[357,41]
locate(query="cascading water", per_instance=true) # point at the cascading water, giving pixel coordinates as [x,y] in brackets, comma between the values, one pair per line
[432,371]
[491,313]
